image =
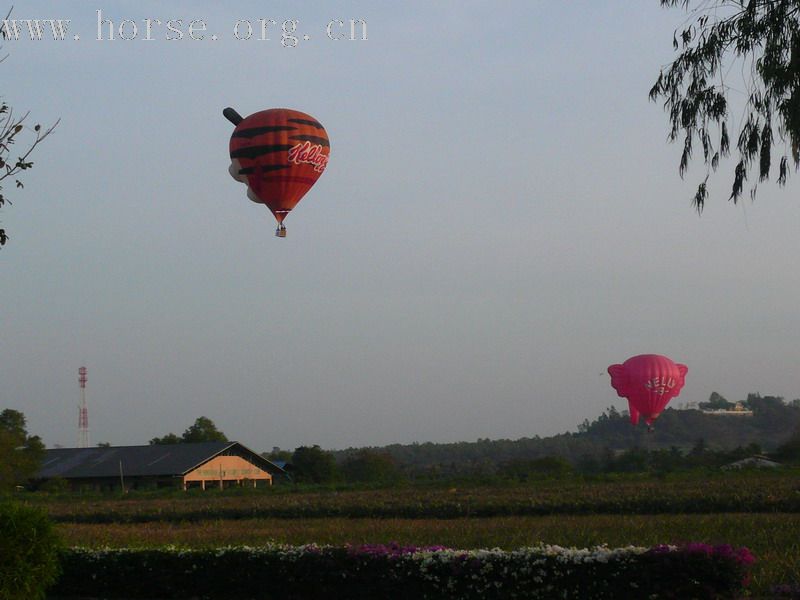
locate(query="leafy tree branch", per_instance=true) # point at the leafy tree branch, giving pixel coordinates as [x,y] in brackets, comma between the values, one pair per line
[12,127]
[763,36]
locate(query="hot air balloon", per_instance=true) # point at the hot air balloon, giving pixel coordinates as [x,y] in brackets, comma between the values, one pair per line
[633,413]
[649,382]
[279,153]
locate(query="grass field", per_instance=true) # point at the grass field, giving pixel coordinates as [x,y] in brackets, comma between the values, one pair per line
[752,514]
[677,494]
[773,538]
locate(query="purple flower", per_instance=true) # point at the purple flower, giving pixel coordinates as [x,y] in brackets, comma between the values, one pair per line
[698,548]
[391,549]
[725,551]
[742,555]
[745,556]
[661,549]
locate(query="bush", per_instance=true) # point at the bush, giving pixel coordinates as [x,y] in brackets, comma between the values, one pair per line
[29,553]
[407,573]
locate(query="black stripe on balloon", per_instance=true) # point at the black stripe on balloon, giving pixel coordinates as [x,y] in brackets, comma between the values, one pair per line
[255,151]
[262,169]
[252,132]
[311,138]
[306,122]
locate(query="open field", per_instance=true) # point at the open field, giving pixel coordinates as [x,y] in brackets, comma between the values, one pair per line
[758,510]
[772,538]
[679,494]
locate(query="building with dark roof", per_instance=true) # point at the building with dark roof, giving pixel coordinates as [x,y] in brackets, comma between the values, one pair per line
[218,464]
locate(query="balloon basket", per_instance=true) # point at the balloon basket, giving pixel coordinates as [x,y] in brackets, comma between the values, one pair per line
[280,232]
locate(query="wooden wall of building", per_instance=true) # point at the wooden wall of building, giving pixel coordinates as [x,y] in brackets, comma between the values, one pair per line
[230,470]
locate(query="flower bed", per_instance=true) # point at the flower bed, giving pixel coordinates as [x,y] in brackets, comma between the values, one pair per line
[398,572]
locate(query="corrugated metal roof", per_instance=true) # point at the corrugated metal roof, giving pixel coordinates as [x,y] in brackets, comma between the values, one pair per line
[140,461]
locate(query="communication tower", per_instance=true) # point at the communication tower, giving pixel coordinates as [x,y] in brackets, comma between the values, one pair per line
[83,412]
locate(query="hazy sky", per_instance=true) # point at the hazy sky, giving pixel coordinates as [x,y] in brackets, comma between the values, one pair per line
[500,220]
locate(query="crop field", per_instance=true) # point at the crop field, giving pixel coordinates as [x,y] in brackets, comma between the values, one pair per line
[695,494]
[761,512]
[772,538]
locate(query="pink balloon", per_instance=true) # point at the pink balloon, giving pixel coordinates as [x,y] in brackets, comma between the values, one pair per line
[634,414]
[649,382]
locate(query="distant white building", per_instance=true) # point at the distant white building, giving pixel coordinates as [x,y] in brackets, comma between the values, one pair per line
[753,462]
[738,410]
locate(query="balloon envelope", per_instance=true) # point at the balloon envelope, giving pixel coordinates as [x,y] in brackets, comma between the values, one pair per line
[279,153]
[634,414]
[649,382]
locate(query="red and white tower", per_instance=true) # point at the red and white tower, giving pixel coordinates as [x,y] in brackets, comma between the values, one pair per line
[83,412]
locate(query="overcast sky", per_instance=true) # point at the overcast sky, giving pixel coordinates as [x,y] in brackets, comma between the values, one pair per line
[501,219]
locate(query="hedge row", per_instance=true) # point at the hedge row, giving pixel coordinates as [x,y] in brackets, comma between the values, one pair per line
[440,510]
[328,572]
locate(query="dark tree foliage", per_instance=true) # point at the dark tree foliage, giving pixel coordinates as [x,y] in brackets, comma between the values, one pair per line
[203,430]
[371,466]
[610,443]
[170,438]
[759,39]
[12,126]
[22,453]
[29,552]
[716,401]
[278,455]
[312,464]
[790,450]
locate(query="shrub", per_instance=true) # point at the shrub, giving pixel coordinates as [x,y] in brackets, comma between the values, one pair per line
[29,553]
[405,573]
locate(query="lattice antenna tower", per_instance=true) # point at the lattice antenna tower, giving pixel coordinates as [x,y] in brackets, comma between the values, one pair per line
[83,412]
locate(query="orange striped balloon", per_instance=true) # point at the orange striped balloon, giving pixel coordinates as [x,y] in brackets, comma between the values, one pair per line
[279,153]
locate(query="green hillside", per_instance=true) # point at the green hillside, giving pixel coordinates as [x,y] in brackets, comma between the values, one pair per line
[677,433]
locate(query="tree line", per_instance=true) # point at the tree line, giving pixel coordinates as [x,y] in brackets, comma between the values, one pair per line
[683,439]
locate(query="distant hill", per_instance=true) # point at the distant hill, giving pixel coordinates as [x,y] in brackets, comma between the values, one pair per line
[772,423]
